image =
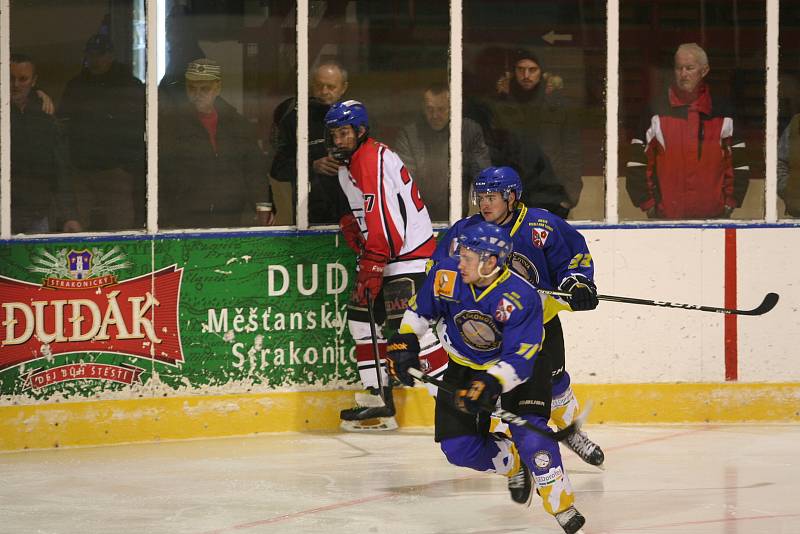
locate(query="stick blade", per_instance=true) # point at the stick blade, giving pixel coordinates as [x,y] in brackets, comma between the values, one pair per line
[769,302]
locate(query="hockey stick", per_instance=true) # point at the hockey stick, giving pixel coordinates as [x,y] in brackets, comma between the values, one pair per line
[509,417]
[769,302]
[375,351]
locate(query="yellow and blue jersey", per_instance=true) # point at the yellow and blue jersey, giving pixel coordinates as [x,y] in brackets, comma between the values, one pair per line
[547,249]
[497,328]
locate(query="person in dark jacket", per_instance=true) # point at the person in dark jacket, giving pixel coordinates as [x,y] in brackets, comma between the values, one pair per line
[789,167]
[103,112]
[326,203]
[42,197]
[211,170]
[686,159]
[541,121]
[424,147]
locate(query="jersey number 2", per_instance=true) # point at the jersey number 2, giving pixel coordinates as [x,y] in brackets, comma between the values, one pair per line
[416,198]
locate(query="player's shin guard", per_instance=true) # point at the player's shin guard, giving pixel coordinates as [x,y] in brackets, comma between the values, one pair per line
[374,409]
[544,460]
[563,410]
[563,407]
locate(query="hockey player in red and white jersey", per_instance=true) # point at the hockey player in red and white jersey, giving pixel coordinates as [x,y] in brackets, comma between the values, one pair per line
[390,230]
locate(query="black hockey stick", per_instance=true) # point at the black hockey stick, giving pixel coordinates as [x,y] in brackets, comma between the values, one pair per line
[769,302]
[375,351]
[509,417]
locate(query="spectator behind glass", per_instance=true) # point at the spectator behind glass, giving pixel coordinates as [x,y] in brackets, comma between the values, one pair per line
[103,110]
[211,169]
[685,162]
[789,167]
[540,118]
[326,203]
[424,147]
[42,198]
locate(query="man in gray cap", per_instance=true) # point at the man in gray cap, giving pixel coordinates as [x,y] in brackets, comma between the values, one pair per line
[212,171]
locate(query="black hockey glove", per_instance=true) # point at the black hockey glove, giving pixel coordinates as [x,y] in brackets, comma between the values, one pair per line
[582,290]
[402,353]
[482,394]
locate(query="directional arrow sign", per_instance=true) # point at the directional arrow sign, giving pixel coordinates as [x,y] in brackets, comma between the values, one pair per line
[551,37]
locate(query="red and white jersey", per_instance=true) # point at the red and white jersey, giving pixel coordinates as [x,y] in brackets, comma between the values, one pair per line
[389,208]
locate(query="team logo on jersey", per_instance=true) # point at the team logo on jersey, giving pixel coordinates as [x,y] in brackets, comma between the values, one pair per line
[542,459]
[524,267]
[444,284]
[539,236]
[478,330]
[503,311]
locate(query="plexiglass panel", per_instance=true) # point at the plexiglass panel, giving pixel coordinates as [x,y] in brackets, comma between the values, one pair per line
[789,112]
[228,66]
[77,116]
[692,109]
[534,81]
[395,56]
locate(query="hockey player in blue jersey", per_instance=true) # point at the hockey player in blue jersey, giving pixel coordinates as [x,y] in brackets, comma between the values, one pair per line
[550,254]
[489,320]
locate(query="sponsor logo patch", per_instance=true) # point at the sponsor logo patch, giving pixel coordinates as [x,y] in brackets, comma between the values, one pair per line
[542,459]
[445,283]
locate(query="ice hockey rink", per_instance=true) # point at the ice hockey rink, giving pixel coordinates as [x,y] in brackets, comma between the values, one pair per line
[676,479]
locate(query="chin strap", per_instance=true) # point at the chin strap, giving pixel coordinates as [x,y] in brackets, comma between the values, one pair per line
[480,269]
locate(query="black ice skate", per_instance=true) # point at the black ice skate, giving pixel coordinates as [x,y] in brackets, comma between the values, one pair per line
[519,485]
[370,412]
[589,451]
[571,520]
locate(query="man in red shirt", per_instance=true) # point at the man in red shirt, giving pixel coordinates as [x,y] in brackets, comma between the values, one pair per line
[212,173]
[685,161]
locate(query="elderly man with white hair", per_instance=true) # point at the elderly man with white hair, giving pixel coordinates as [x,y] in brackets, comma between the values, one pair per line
[686,159]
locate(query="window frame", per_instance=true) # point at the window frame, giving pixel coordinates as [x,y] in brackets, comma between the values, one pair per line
[611,170]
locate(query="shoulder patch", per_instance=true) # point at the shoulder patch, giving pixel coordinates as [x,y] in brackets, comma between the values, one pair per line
[539,236]
[503,311]
[445,283]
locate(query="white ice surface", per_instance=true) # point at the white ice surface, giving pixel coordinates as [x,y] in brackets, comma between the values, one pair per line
[705,479]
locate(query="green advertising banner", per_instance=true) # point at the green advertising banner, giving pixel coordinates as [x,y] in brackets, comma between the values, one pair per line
[174,316]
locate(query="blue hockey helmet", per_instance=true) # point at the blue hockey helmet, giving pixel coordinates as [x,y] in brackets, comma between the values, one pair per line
[486,239]
[347,113]
[497,180]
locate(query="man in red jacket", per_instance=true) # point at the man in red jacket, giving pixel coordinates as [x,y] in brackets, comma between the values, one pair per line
[685,161]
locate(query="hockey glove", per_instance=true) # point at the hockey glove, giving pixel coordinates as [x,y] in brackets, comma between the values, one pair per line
[583,292]
[482,394]
[402,353]
[370,276]
[352,233]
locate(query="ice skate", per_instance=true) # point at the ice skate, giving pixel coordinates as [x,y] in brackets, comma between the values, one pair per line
[519,485]
[589,451]
[571,520]
[370,413]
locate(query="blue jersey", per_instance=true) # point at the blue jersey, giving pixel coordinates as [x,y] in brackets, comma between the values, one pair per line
[546,248]
[497,328]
